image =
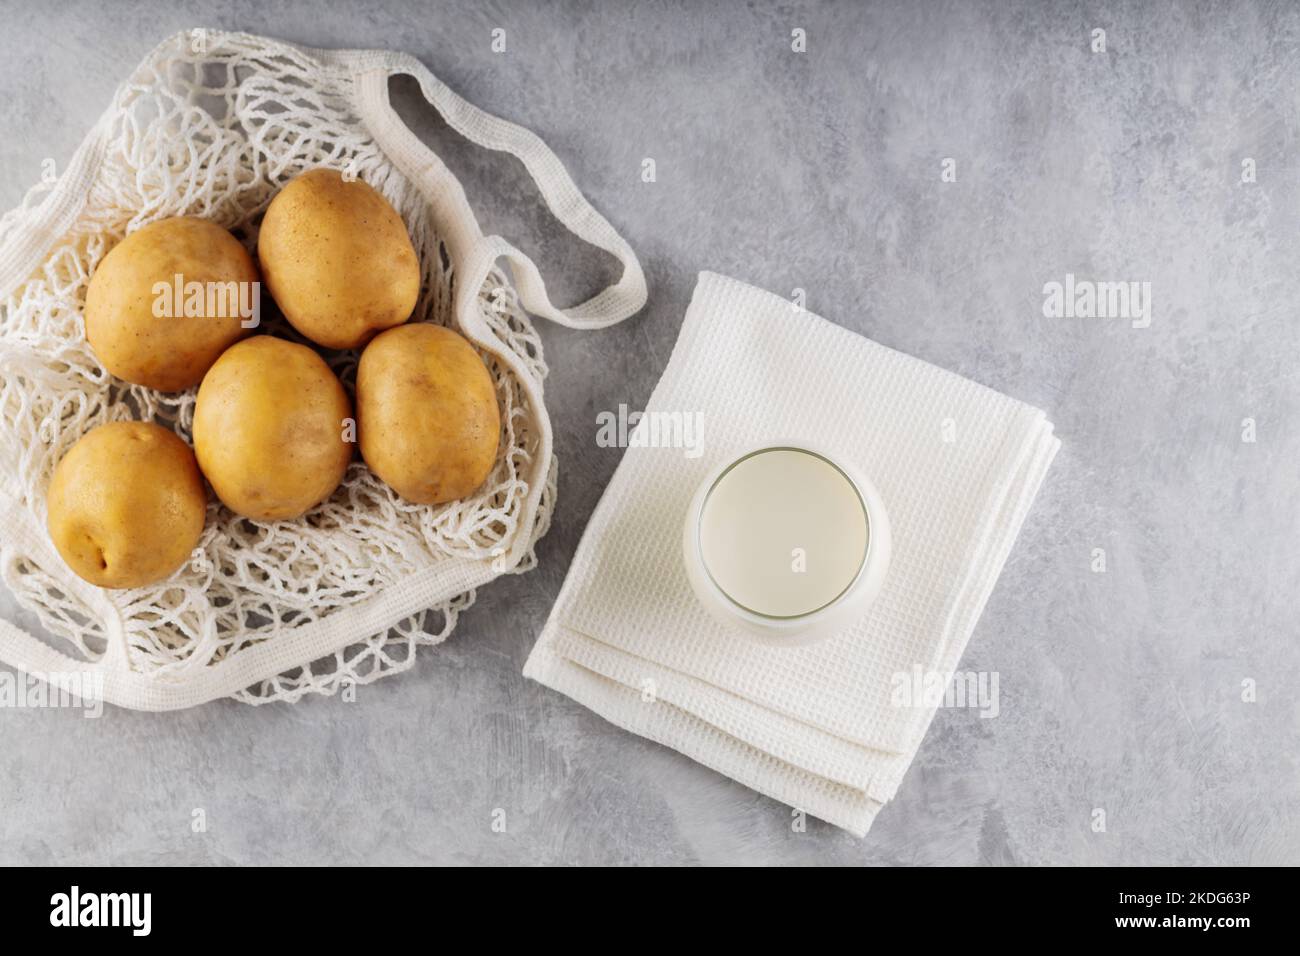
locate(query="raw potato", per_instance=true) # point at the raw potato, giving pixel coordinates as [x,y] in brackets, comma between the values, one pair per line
[126,505]
[337,259]
[427,418]
[269,429]
[167,353]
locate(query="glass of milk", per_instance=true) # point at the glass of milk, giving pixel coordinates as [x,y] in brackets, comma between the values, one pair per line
[786,543]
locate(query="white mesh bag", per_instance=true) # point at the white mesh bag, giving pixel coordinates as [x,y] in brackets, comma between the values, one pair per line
[211,124]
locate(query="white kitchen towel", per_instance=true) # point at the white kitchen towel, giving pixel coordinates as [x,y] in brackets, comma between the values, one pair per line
[822,727]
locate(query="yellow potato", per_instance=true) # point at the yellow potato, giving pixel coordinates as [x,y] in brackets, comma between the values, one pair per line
[269,429]
[126,505]
[427,418]
[337,259]
[141,330]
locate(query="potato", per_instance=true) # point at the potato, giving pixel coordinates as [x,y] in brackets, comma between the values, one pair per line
[126,505]
[337,259]
[141,330]
[427,418]
[269,429]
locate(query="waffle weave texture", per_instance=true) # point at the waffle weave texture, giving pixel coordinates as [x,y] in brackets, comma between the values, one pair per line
[819,727]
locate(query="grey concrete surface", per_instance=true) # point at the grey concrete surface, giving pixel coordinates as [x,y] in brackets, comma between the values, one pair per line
[1120,691]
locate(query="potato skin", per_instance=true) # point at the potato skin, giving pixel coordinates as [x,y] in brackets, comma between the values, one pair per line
[126,505]
[168,354]
[338,260]
[427,417]
[268,429]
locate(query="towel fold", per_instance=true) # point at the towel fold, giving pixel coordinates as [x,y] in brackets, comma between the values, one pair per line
[820,727]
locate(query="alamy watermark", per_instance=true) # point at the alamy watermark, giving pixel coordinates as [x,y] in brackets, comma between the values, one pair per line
[133,911]
[634,429]
[1085,299]
[208,300]
[919,687]
[53,689]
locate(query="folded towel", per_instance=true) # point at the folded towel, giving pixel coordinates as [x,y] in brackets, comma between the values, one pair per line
[819,727]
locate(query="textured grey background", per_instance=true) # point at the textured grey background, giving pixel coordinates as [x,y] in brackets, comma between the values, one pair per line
[1119,691]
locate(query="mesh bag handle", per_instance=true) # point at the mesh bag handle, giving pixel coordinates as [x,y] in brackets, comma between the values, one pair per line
[473,253]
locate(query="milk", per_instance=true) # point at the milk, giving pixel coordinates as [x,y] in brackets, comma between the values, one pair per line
[783,532]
